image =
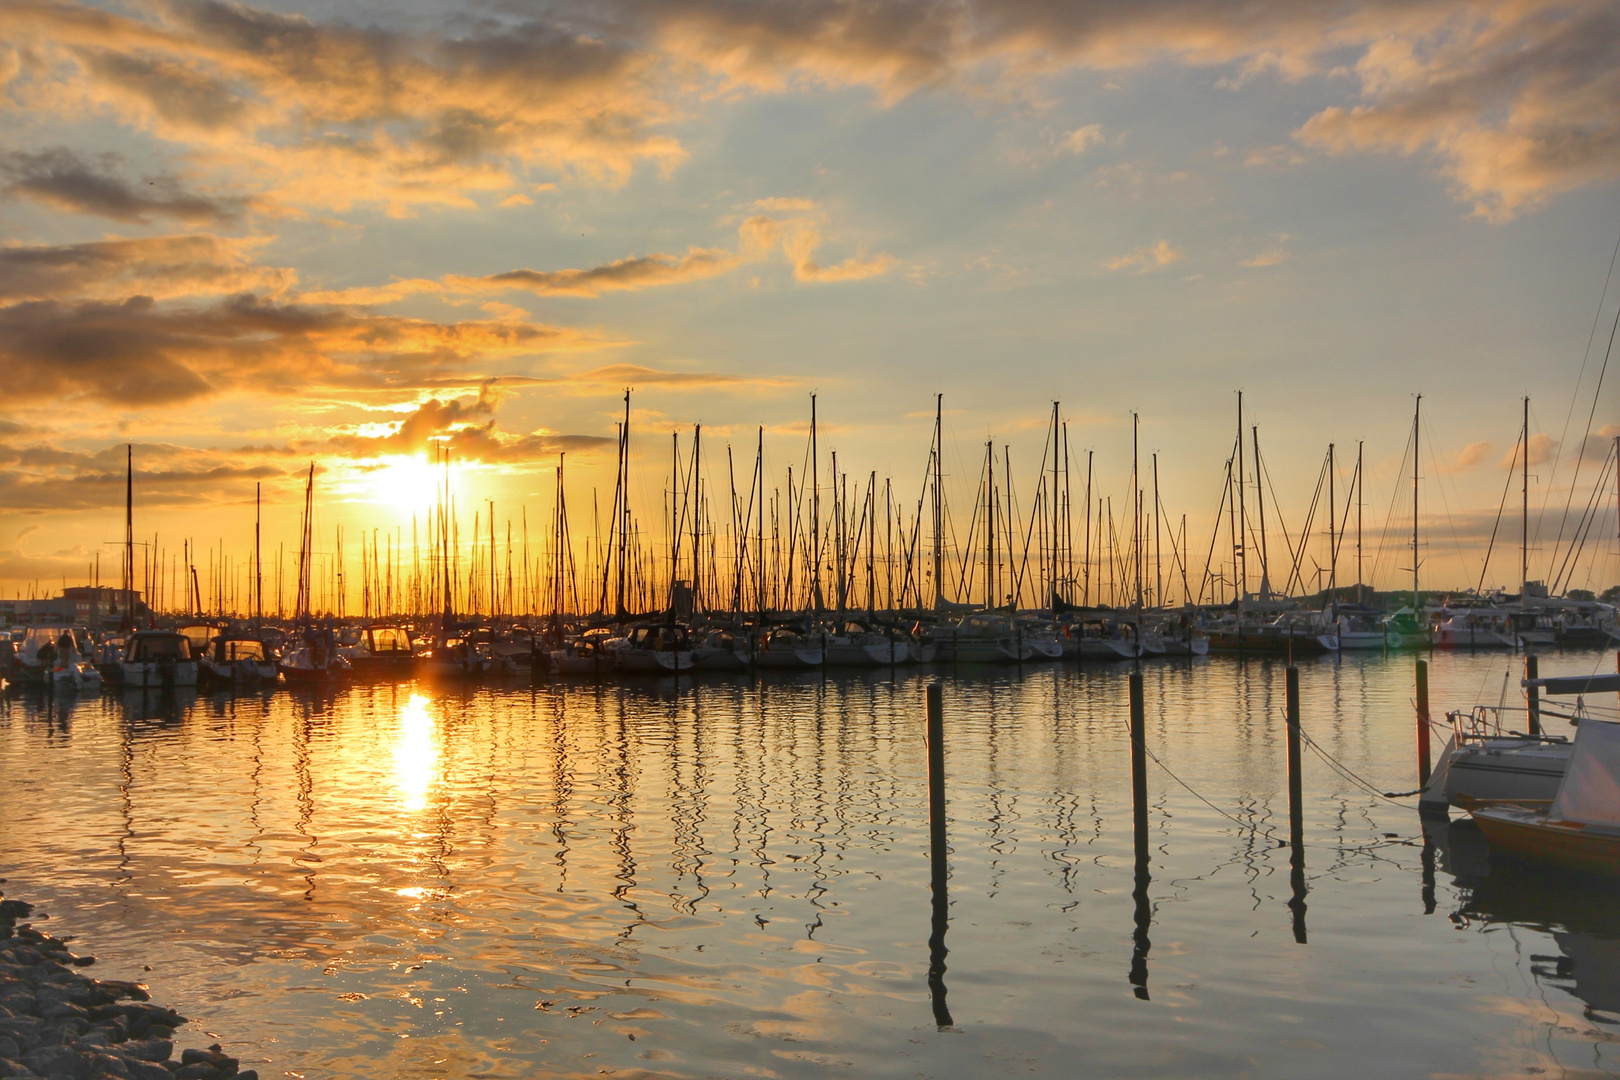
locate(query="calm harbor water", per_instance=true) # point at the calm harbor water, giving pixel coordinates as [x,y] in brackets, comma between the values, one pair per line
[730,878]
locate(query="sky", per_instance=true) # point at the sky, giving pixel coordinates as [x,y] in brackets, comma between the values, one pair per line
[244,238]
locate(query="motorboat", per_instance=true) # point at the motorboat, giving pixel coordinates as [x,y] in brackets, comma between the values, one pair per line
[456,658]
[232,659]
[381,651]
[582,655]
[313,659]
[158,658]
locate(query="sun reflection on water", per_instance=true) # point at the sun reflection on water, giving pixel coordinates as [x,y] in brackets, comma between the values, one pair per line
[416,753]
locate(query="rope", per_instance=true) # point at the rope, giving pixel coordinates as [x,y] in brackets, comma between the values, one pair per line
[1349,774]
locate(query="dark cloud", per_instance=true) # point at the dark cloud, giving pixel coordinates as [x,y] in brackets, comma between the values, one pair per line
[140,353]
[41,477]
[467,426]
[59,177]
[158,266]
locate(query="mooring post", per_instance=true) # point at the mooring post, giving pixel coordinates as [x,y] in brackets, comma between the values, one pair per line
[1296,821]
[1423,722]
[1296,809]
[1532,670]
[1140,941]
[938,866]
[1139,764]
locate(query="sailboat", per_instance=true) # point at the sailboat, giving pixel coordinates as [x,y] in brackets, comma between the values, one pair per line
[313,658]
[1580,830]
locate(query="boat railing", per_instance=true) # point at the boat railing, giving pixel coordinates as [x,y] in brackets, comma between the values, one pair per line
[1484,722]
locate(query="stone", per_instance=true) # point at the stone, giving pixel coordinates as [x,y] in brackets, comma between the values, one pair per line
[146,1070]
[199,1071]
[58,1061]
[9,1049]
[147,1049]
[107,1065]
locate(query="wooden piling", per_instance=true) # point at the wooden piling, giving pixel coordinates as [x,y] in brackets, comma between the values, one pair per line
[1139,764]
[1532,670]
[937,856]
[1423,722]
[1296,827]
[1296,809]
[1141,943]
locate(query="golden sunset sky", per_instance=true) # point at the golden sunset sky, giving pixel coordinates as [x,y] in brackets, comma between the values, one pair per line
[242,238]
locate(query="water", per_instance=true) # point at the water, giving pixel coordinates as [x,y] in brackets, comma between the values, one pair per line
[731,879]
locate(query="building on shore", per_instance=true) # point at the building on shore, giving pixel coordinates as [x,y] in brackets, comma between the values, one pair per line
[100,608]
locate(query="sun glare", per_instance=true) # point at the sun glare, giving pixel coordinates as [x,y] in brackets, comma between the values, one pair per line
[406,483]
[416,754]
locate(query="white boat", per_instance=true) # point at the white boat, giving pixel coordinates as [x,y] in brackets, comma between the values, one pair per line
[782,649]
[455,658]
[158,658]
[231,660]
[855,646]
[75,675]
[981,638]
[652,650]
[1484,762]
[716,650]
[1361,633]
[1476,628]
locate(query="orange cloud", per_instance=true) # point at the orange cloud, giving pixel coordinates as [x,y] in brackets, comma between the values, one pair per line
[1144,259]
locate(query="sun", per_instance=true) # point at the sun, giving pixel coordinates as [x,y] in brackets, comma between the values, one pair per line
[406,482]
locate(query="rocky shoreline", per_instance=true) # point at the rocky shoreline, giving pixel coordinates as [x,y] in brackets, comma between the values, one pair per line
[57,1022]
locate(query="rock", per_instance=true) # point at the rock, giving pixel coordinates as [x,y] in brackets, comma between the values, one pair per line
[147,1049]
[9,1068]
[58,1061]
[199,1071]
[83,961]
[146,1070]
[15,909]
[9,1050]
[107,1065]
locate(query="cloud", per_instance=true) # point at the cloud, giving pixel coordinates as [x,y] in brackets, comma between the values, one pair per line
[1144,259]
[635,375]
[1082,139]
[62,179]
[468,427]
[624,274]
[1465,459]
[40,477]
[759,237]
[159,266]
[1266,258]
[1515,99]
[330,115]
[784,205]
[1518,101]
[138,353]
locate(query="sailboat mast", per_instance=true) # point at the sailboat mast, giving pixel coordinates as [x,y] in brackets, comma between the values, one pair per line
[1052,552]
[1524,496]
[1158,541]
[129,537]
[1090,454]
[939,506]
[1333,537]
[1359,501]
[1417,412]
[1260,493]
[815,513]
[1136,520]
[258,565]
[1242,514]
